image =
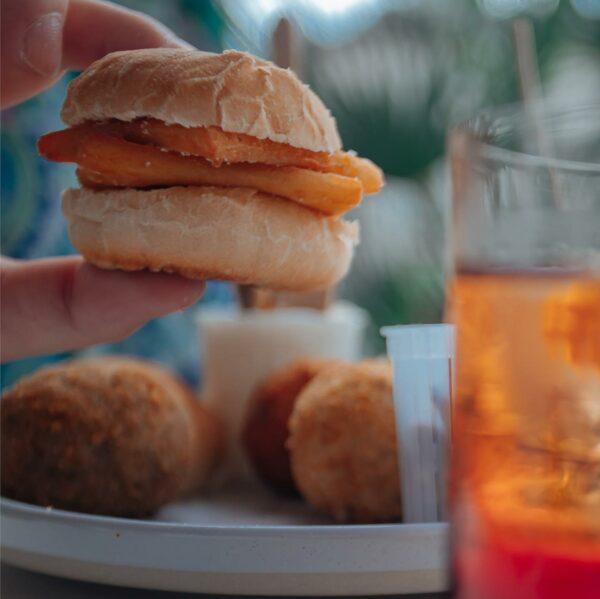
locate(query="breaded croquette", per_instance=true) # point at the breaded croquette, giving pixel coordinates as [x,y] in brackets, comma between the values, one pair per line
[343,444]
[108,436]
[265,430]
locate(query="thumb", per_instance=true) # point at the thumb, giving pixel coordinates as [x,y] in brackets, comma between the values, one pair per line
[60,304]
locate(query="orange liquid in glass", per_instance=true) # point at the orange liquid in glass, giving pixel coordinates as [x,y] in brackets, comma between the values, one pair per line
[525,486]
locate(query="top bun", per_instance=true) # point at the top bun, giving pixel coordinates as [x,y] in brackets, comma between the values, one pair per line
[234,90]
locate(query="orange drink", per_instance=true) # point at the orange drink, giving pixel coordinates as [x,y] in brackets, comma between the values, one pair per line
[526,434]
[525,299]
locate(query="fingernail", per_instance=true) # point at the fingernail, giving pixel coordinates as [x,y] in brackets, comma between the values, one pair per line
[176,42]
[193,295]
[42,44]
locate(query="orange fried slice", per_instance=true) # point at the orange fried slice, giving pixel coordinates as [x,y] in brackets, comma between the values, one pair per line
[349,165]
[219,147]
[118,163]
[212,143]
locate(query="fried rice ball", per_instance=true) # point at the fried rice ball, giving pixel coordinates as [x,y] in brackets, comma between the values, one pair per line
[265,430]
[343,444]
[112,436]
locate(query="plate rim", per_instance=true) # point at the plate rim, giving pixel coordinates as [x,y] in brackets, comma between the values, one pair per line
[12,507]
[239,558]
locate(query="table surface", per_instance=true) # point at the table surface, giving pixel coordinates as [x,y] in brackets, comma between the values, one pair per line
[20,584]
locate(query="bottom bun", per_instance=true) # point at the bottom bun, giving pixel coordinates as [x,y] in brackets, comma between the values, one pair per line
[211,233]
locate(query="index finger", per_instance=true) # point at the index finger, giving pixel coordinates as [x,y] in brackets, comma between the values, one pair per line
[40,40]
[93,29]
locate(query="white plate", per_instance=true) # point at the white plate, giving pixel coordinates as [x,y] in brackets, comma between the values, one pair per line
[246,543]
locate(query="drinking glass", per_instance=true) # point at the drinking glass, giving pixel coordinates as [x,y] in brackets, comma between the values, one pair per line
[525,298]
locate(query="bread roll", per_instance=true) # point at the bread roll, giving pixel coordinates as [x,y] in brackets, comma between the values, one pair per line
[235,91]
[208,232]
[198,231]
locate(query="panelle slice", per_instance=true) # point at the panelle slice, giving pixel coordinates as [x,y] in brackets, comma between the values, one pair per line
[119,163]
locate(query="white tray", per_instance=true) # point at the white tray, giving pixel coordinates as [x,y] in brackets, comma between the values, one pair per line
[233,542]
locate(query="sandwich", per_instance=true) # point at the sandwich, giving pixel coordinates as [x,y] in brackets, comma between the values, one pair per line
[220,166]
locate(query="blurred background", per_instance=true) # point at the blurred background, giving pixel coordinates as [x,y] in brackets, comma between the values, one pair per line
[396,74]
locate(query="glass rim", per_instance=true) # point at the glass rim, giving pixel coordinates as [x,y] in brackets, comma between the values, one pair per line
[495,153]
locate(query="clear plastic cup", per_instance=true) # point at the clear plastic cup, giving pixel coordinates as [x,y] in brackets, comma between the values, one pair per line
[422,358]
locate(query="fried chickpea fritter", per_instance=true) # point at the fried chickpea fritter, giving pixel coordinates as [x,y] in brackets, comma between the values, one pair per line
[108,436]
[343,444]
[106,161]
[265,431]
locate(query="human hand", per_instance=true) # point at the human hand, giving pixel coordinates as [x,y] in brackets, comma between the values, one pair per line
[59,304]
[64,303]
[41,39]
